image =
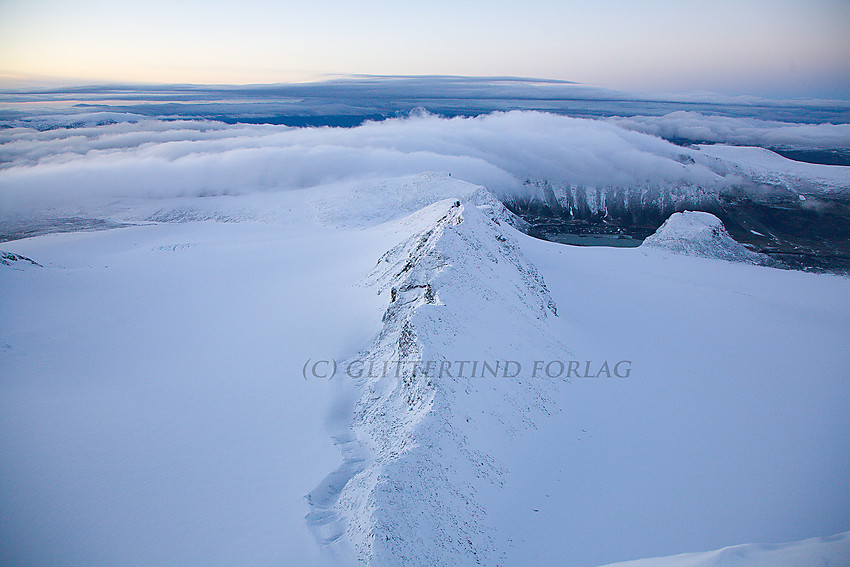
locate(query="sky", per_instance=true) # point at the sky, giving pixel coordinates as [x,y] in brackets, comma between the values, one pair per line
[773,48]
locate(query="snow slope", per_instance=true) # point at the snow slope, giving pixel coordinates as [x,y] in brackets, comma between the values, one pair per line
[415,457]
[764,167]
[729,429]
[809,553]
[154,407]
[531,469]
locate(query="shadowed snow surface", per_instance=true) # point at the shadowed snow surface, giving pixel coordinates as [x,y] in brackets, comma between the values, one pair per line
[154,409]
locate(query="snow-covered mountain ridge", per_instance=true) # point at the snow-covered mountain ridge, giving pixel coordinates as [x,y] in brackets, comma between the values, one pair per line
[406,493]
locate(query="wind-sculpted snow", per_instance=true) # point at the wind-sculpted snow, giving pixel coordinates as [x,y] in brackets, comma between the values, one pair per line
[701,234]
[407,491]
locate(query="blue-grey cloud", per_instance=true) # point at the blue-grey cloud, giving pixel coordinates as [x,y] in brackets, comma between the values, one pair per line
[349,101]
[700,128]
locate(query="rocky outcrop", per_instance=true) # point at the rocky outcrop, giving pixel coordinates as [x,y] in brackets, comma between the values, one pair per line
[16,260]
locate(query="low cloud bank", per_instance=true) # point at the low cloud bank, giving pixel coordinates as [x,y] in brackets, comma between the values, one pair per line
[149,159]
[80,170]
[698,128]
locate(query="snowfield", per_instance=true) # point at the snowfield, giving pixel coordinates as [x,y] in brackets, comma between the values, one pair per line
[166,398]
[817,551]
[153,408]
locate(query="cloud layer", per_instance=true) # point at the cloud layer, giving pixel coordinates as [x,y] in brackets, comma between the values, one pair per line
[86,170]
[149,159]
[700,128]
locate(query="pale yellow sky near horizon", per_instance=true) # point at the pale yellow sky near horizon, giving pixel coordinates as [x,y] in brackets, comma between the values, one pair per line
[758,47]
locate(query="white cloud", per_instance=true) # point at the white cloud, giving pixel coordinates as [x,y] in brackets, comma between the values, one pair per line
[697,127]
[87,167]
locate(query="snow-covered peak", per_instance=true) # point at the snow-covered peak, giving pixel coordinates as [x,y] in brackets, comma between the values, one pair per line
[696,233]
